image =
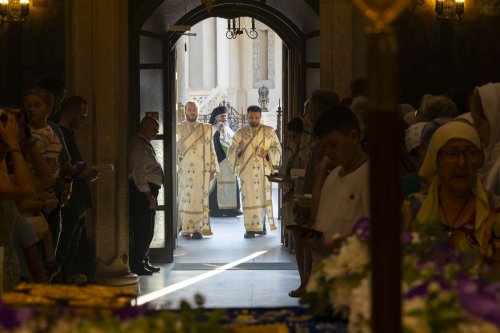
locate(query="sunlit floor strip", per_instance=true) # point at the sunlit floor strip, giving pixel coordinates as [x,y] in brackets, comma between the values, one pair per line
[177,286]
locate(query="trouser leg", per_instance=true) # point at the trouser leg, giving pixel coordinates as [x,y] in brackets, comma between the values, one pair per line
[141,222]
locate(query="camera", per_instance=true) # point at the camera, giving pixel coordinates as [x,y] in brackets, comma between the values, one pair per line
[23,117]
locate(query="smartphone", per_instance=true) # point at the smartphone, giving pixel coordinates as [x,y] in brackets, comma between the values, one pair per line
[80,164]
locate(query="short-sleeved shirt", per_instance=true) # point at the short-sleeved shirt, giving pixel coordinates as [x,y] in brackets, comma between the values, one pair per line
[47,142]
[343,201]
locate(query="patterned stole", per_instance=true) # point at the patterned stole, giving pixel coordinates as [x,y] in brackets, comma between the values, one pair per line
[193,138]
[248,156]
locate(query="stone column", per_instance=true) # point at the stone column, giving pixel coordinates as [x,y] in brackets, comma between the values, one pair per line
[182,69]
[342,45]
[99,73]
[209,61]
[222,53]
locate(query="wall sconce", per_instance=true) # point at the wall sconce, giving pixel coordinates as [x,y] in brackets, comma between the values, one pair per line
[14,10]
[450,9]
[234,29]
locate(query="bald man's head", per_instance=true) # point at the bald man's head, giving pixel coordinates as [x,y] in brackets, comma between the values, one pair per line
[191,111]
[149,127]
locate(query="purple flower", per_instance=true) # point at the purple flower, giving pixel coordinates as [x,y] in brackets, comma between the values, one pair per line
[362,228]
[479,299]
[10,318]
[418,290]
[443,252]
[130,312]
[422,288]
[406,238]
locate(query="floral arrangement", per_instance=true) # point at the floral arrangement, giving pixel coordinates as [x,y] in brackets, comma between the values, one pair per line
[130,319]
[443,291]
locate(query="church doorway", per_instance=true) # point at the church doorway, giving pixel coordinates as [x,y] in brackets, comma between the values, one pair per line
[155,57]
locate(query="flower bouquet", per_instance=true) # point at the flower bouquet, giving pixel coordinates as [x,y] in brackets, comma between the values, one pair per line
[130,319]
[443,291]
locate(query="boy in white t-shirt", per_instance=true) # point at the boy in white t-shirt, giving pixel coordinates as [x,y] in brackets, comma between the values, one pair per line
[340,197]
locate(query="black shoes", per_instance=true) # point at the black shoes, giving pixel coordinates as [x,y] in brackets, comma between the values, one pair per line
[228,213]
[151,268]
[196,235]
[251,234]
[141,270]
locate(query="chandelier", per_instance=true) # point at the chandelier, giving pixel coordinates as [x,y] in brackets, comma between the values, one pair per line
[234,29]
[14,10]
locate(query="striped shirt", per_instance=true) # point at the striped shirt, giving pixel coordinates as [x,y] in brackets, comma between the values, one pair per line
[47,143]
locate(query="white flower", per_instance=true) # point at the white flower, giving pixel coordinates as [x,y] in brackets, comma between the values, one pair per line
[415,238]
[360,310]
[433,287]
[353,257]
[312,284]
[477,327]
[416,323]
[340,295]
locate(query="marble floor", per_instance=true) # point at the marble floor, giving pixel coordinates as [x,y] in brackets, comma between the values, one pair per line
[253,286]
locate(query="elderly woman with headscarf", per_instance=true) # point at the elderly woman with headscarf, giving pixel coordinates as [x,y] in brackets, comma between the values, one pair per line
[456,199]
[433,107]
[485,110]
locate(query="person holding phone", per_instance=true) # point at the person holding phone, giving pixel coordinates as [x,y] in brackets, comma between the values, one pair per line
[76,252]
[343,192]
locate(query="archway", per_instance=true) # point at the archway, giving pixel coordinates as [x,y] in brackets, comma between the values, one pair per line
[152,83]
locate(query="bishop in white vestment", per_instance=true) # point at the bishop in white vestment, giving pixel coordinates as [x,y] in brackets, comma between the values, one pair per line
[255,153]
[197,165]
[224,200]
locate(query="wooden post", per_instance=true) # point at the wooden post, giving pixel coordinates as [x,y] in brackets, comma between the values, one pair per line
[383,139]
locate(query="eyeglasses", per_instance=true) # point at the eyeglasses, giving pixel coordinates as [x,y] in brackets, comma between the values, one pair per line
[452,155]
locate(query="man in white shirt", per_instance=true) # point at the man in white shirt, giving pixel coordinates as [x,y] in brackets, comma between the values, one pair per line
[343,192]
[145,181]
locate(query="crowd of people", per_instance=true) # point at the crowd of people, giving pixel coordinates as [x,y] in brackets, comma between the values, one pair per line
[44,191]
[450,167]
[450,171]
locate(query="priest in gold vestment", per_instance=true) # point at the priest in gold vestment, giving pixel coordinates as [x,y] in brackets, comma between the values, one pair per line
[255,153]
[197,165]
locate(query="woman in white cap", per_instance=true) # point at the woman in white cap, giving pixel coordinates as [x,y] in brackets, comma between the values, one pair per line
[456,199]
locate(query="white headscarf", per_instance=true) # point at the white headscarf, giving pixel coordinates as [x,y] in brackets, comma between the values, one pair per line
[455,129]
[429,211]
[490,100]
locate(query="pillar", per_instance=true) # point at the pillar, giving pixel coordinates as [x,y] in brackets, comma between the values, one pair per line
[99,73]
[342,43]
